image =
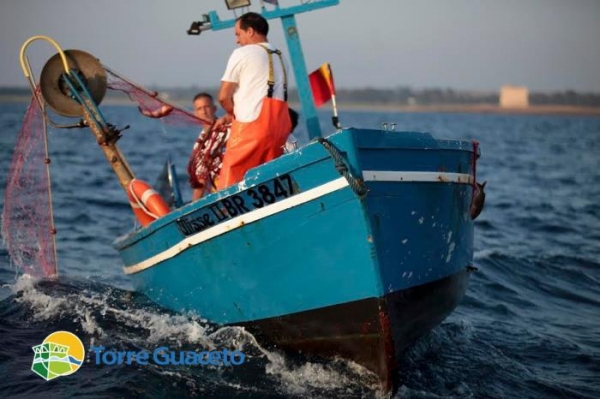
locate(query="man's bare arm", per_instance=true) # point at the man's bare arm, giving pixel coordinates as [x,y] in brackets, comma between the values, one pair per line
[226,101]
[226,96]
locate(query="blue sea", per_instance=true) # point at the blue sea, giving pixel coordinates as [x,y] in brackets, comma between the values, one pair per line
[529,326]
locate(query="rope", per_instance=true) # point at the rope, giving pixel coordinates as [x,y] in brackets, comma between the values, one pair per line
[356,184]
[474,158]
[51,210]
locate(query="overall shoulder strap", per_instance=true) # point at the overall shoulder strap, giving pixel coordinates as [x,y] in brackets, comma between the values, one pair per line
[271,82]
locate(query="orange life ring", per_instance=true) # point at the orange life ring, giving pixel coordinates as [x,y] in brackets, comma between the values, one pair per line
[146,203]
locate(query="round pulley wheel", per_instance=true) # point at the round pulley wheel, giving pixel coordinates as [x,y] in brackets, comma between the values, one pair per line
[56,91]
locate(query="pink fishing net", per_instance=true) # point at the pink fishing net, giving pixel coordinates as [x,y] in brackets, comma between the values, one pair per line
[149,103]
[27,225]
[205,160]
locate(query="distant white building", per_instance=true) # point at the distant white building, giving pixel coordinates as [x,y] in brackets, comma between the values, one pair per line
[514,97]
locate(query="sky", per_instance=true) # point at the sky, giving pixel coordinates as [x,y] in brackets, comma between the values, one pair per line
[467,45]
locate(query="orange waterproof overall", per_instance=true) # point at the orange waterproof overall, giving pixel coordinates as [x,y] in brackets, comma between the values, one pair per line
[253,143]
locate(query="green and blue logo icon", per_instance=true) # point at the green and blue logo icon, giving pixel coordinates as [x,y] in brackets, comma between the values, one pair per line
[59,355]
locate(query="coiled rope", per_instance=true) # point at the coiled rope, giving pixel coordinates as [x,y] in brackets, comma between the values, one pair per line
[356,184]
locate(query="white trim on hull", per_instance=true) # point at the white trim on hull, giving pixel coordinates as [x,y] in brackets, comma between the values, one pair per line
[312,194]
[432,177]
[238,222]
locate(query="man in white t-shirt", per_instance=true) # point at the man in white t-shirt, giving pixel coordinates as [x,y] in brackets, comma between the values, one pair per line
[253,94]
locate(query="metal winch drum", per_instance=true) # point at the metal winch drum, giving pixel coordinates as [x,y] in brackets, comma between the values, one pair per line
[57,93]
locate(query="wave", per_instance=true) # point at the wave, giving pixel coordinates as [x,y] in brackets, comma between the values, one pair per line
[105,316]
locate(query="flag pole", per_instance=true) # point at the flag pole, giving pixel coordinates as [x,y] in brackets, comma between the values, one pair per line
[323,90]
[334,119]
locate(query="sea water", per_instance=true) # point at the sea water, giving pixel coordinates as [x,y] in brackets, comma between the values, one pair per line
[529,326]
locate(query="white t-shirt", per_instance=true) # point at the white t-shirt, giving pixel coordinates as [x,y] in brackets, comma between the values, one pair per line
[248,66]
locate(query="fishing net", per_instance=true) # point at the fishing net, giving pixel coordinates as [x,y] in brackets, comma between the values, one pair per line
[149,104]
[27,221]
[206,158]
[27,225]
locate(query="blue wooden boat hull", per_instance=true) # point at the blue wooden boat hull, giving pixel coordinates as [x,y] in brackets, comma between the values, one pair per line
[299,254]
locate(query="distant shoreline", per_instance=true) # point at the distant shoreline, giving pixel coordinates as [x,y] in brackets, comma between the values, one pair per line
[481,109]
[440,108]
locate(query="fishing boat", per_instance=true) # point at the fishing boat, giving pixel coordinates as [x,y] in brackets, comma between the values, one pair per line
[350,246]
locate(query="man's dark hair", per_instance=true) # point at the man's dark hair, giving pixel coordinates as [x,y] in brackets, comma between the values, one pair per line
[203,95]
[255,21]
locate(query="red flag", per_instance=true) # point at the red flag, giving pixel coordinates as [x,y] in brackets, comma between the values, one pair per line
[321,83]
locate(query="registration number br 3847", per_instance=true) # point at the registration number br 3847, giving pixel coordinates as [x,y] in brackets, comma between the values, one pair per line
[257,197]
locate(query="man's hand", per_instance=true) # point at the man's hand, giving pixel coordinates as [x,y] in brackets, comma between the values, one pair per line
[223,123]
[157,113]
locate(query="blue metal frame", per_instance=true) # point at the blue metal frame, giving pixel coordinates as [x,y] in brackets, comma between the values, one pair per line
[292,37]
[80,93]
